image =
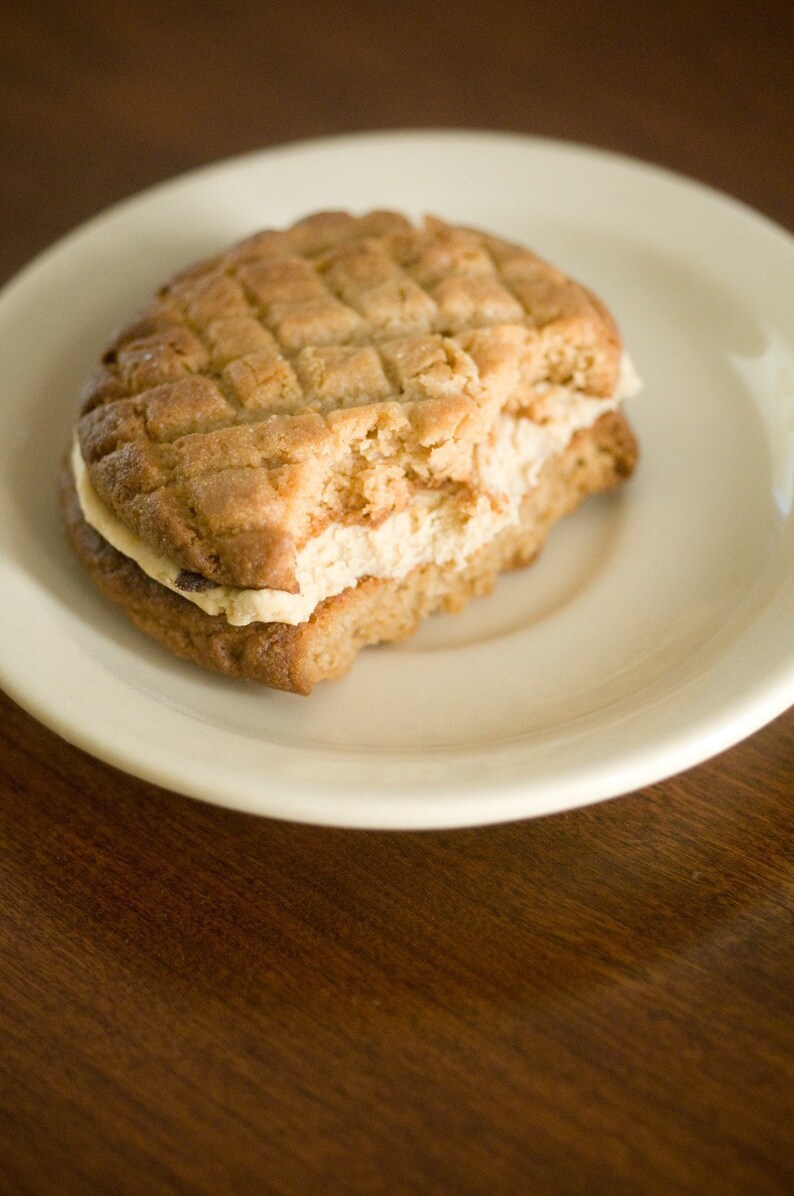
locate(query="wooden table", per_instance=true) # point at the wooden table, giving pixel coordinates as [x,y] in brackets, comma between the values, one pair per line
[195,1001]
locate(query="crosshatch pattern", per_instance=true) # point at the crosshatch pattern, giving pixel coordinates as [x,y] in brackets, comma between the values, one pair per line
[321,373]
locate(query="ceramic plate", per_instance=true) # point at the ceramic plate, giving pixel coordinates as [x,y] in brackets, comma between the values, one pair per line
[657,627]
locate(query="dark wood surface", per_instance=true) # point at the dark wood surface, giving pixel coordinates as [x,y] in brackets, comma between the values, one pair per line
[192,1000]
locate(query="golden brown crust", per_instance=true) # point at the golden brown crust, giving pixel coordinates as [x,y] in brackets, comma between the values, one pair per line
[296,658]
[321,373]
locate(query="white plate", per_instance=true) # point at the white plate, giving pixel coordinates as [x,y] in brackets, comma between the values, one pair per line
[656,629]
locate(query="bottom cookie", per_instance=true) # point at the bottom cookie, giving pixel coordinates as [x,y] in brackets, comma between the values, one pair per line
[296,658]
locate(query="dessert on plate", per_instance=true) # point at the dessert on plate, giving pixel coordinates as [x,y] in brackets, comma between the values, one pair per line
[317,438]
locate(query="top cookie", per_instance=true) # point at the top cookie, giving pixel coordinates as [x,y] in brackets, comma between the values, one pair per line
[324,373]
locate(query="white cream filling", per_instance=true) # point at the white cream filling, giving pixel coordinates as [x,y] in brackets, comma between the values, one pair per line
[432,528]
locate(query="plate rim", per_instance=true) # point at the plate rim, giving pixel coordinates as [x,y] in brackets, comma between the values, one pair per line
[358,136]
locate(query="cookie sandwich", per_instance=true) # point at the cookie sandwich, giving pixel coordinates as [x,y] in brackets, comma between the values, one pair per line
[314,440]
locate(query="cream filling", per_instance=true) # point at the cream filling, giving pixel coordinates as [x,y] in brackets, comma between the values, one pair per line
[432,529]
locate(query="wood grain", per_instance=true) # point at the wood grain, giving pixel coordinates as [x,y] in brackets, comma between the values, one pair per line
[195,1001]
